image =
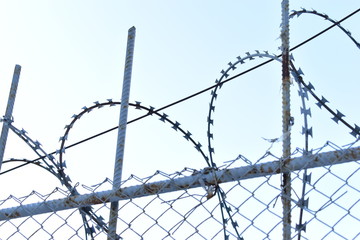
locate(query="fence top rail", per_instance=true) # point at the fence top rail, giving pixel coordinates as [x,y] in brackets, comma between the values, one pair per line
[204,178]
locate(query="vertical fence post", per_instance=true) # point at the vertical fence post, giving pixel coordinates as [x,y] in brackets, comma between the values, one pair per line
[286,120]
[120,147]
[9,110]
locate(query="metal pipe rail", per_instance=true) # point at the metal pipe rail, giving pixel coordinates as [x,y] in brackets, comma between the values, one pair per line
[9,110]
[198,179]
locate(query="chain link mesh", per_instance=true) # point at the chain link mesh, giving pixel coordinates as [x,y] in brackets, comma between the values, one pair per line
[238,209]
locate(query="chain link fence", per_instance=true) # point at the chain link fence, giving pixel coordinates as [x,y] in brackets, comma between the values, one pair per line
[236,201]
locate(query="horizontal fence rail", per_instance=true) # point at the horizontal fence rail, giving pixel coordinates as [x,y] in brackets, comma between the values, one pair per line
[240,200]
[207,177]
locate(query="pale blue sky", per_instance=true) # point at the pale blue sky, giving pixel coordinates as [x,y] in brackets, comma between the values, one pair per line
[72,54]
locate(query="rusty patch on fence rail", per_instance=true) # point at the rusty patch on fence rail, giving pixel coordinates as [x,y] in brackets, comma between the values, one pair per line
[13,215]
[152,188]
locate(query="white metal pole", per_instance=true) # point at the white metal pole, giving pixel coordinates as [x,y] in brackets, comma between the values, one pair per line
[286,120]
[120,147]
[9,110]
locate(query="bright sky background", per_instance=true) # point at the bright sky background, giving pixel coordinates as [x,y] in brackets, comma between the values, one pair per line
[72,54]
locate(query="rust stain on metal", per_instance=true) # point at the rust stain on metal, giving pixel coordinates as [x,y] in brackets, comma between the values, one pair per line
[95,200]
[13,215]
[152,188]
[253,171]
[119,193]
[71,201]
[287,161]
[68,202]
[185,186]
[103,199]
[353,154]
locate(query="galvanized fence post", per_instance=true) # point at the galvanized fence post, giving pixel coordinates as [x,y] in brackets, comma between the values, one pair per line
[9,110]
[286,120]
[120,147]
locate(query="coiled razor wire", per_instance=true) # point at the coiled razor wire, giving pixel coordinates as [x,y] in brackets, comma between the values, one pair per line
[48,163]
[298,13]
[174,125]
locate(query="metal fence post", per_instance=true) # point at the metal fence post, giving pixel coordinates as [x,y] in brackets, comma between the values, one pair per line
[286,120]
[9,110]
[122,131]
